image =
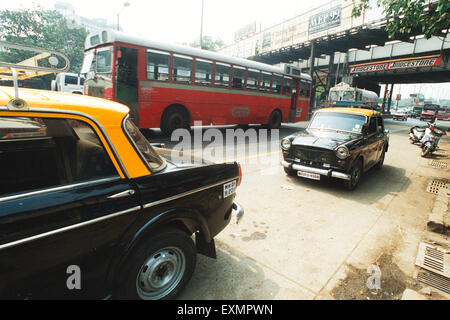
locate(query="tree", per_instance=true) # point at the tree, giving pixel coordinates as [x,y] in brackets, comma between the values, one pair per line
[208,44]
[431,17]
[46,29]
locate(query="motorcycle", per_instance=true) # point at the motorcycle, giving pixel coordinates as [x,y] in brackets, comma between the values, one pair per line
[416,134]
[430,141]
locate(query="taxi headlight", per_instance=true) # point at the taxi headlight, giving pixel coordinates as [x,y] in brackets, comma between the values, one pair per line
[286,144]
[342,152]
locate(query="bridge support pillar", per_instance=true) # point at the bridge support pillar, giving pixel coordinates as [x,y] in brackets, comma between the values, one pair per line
[313,78]
[390,98]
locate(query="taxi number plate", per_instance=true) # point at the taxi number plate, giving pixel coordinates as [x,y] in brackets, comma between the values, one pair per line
[229,188]
[314,176]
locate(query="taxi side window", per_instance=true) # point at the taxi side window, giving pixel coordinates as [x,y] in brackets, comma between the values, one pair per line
[37,153]
[380,125]
[372,125]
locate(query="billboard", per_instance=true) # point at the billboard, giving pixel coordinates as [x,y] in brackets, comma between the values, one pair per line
[325,20]
[420,62]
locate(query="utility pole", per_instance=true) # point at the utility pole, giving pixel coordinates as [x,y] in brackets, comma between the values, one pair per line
[201,27]
[125,4]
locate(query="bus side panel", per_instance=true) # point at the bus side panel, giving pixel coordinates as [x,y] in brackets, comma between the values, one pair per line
[303,104]
[211,105]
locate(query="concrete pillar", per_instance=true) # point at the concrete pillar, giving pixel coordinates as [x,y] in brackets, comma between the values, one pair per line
[390,98]
[383,106]
[313,78]
[331,76]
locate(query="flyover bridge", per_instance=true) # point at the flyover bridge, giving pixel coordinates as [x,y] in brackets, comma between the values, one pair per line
[333,46]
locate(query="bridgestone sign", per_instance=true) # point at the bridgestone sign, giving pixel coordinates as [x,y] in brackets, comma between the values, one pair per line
[422,62]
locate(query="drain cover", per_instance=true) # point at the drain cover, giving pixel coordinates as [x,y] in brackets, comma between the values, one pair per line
[434,257]
[435,185]
[434,280]
[438,164]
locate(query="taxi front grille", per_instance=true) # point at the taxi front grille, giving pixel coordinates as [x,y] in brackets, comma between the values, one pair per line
[312,154]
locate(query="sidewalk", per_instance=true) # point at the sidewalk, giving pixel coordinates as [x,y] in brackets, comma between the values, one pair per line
[434,250]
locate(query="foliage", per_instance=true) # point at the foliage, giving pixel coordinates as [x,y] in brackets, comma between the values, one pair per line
[404,16]
[41,28]
[208,44]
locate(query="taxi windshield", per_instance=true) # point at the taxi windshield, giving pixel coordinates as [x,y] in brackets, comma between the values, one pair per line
[338,121]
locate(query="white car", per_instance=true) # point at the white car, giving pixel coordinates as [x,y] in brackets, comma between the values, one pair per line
[400,115]
[68,82]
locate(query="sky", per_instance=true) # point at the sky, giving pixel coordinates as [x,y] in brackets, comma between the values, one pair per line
[179,21]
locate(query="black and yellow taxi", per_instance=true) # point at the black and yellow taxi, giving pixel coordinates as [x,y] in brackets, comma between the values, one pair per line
[89,208]
[339,143]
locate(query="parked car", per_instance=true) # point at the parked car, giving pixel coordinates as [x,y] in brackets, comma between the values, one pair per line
[82,190]
[338,143]
[400,115]
[68,82]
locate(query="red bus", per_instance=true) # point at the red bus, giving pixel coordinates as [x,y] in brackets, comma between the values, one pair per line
[170,86]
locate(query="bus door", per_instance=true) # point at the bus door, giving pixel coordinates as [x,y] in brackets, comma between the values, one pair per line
[294,98]
[126,85]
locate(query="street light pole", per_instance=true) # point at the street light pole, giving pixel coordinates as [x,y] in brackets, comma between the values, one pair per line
[201,27]
[125,4]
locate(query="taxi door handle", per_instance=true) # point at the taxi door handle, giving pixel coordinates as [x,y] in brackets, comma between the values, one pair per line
[123,194]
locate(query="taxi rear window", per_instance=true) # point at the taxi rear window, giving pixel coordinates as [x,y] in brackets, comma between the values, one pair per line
[148,154]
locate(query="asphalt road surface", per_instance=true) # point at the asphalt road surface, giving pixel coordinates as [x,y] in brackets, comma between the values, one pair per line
[306,239]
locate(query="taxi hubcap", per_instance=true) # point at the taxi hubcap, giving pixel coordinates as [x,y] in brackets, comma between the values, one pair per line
[161,273]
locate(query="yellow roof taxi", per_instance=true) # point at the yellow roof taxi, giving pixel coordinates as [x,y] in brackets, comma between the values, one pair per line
[88,207]
[339,143]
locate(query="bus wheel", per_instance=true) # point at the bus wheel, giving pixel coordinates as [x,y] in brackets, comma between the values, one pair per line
[275,120]
[174,118]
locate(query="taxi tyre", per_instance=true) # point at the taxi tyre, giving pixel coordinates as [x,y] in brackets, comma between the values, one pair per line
[275,120]
[380,163]
[355,173]
[169,254]
[174,118]
[290,172]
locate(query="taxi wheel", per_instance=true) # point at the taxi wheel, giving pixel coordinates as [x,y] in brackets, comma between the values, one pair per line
[355,174]
[290,172]
[174,118]
[160,267]
[380,163]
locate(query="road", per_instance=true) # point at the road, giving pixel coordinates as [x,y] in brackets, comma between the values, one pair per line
[305,239]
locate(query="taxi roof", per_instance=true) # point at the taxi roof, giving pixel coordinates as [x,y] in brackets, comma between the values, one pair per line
[360,111]
[104,111]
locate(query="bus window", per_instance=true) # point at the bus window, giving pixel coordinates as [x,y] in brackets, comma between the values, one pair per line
[266,79]
[203,72]
[158,65]
[222,77]
[303,86]
[308,89]
[238,77]
[294,85]
[276,84]
[104,61]
[252,79]
[287,86]
[182,69]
